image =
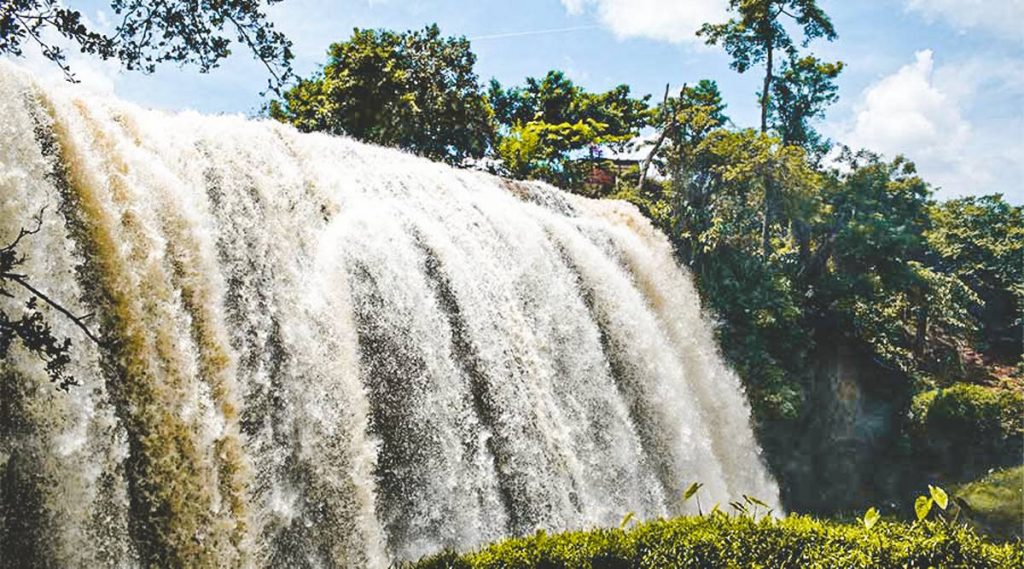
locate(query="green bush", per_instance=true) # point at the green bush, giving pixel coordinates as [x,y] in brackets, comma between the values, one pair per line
[968,428]
[731,541]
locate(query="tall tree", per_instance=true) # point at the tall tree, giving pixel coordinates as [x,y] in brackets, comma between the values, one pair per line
[681,122]
[148,32]
[801,93]
[758,33]
[413,90]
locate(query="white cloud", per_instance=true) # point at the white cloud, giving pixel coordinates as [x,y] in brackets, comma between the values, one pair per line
[1003,17]
[675,21]
[941,118]
[905,110]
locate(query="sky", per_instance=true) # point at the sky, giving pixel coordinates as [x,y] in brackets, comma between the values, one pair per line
[939,81]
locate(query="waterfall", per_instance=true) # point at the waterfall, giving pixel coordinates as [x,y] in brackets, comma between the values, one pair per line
[320,353]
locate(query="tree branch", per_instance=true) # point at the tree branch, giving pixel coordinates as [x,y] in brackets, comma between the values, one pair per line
[670,123]
[9,260]
[77,320]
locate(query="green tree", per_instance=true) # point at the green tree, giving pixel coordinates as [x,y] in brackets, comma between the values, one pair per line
[681,122]
[709,206]
[555,99]
[980,240]
[758,34]
[542,150]
[546,126]
[872,269]
[413,90]
[758,300]
[801,93]
[150,32]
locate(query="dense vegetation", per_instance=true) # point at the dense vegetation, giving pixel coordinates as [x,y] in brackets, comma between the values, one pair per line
[415,90]
[719,540]
[804,251]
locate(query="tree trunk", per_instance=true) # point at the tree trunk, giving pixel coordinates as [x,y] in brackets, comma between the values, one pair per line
[766,89]
[765,227]
[768,190]
[921,332]
[669,123]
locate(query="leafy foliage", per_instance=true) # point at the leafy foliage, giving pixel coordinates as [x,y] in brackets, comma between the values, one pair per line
[871,518]
[545,126]
[877,276]
[965,429]
[555,99]
[719,540]
[980,241]
[757,34]
[414,90]
[539,150]
[801,93]
[150,32]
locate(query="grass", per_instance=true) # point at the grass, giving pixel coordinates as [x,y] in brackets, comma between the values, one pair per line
[996,502]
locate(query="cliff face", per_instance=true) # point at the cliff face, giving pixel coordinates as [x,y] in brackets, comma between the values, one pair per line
[869,439]
[846,452]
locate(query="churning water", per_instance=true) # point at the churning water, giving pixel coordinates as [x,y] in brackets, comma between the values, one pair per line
[322,353]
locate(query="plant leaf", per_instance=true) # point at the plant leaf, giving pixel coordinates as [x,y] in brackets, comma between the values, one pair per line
[939,495]
[871,518]
[922,506]
[753,500]
[629,517]
[691,490]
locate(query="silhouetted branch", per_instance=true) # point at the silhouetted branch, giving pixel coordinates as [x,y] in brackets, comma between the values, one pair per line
[31,327]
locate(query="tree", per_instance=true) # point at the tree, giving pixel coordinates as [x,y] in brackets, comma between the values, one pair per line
[755,37]
[547,126]
[758,33]
[682,122]
[800,94]
[763,332]
[873,272]
[980,240]
[149,32]
[555,99]
[413,90]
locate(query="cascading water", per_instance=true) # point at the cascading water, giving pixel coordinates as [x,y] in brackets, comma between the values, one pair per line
[322,353]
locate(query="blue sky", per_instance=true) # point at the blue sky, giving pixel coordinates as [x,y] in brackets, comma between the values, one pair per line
[941,81]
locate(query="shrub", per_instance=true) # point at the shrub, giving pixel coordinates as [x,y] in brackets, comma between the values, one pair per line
[718,540]
[968,428]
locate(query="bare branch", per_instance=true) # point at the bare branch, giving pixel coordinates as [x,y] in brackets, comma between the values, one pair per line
[22,233]
[670,123]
